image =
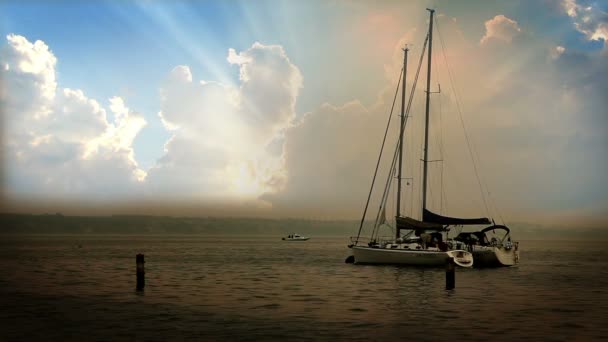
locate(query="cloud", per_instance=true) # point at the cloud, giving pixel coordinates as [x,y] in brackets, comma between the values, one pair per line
[500,28]
[557,51]
[532,124]
[226,144]
[588,19]
[58,143]
[226,141]
[535,118]
[329,155]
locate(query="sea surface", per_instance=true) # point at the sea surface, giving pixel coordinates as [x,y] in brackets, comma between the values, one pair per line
[250,288]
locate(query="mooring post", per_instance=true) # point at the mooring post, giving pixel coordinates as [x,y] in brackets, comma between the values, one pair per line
[141,274]
[450,274]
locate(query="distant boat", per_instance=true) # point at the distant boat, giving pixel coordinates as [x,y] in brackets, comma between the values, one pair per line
[295,237]
[425,241]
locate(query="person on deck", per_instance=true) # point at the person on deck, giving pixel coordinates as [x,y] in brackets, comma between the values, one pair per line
[425,240]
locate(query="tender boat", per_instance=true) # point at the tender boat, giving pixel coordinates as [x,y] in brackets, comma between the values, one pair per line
[295,237]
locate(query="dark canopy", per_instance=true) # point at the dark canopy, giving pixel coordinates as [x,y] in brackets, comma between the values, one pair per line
[497,226]
[472,238]
[480,236]
[430,217]
[410,223]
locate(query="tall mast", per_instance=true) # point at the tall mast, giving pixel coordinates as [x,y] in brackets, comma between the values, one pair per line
[428,103]
[401,137]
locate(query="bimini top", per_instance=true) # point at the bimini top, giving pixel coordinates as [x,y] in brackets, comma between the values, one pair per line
[496,226]
[480,236]
[430,217]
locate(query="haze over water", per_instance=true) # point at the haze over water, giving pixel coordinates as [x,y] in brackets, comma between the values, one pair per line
[258,288]
[212,113]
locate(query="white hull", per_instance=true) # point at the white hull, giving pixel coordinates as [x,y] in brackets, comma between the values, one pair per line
[428,258]
[295,237]
[495,256]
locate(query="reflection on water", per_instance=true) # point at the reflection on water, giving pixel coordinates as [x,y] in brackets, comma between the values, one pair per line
[73,287]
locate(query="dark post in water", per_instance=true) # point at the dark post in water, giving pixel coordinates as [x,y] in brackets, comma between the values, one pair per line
[450,274]
[141,274]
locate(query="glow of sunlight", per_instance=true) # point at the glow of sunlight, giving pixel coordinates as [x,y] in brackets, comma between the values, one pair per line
[169,18]
[244,181]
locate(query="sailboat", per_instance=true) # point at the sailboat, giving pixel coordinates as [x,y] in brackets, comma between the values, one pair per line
[490,249]
[424,242]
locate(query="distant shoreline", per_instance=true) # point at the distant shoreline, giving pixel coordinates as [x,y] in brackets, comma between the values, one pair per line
[57,224]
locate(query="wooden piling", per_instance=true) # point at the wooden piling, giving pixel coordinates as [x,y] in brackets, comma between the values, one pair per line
[450,274]
[141,274]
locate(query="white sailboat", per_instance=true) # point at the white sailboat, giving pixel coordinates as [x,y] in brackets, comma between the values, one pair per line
[424,242]
[491,251]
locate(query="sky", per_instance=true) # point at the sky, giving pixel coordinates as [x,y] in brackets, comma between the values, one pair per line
[278,108]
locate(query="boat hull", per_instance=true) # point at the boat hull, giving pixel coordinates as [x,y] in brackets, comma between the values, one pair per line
[296,238]
[425,258]
[493,256]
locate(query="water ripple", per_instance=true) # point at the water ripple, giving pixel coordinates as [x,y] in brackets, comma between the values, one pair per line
[255,288]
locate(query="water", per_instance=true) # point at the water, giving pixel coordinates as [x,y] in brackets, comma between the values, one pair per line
[260,288]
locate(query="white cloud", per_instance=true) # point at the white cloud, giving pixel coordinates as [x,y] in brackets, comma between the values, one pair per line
[528,144]
[58,142]
[557,51]
[570,7]
[500,28]
[224,137]
[588,19]
[330,156]
[234,58]
[227,141]
[35,60]
[533,120]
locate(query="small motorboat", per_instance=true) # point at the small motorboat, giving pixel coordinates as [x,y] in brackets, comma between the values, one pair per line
[295,237]
[461,258]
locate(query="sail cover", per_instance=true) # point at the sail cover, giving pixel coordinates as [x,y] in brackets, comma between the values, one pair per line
[430,217]
[410,223]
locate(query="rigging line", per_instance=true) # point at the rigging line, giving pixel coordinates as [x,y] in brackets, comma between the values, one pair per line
[421,155]
[386,191]
[414,84]
[487,189]
[385,194]
[412,193]
[466,135]
[393,203]
[409,104]
[441,154]
[387,187]
[439,137]
[490,197]
[410,100]
[396,153]
[443,203]
[495,206]
[379,157]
